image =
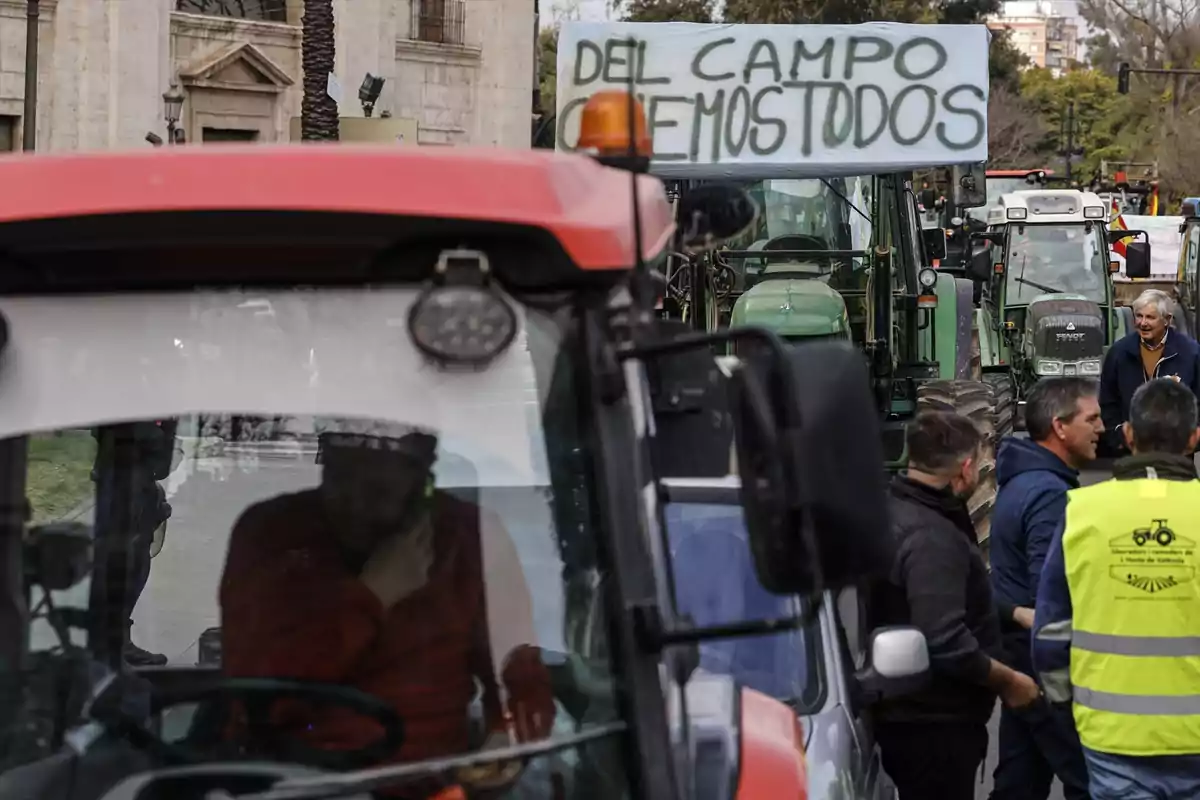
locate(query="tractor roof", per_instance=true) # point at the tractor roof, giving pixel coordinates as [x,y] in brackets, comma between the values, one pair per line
[1049,205]
[586,207]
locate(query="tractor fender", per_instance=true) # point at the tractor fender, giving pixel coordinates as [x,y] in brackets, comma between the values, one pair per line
[772,750]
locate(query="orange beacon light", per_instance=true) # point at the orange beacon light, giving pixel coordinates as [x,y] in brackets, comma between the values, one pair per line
[605,128]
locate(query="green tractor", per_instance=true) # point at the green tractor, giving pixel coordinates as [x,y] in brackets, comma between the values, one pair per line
[1050,295]
[846,258]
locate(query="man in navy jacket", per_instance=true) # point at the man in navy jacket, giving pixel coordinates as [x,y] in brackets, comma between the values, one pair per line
[1153,350]
[1063,419]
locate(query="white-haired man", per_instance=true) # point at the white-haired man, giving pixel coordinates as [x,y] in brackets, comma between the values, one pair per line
[1152,350]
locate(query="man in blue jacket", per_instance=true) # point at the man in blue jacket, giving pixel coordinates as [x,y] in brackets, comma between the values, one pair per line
[1063,419]
[1153,350]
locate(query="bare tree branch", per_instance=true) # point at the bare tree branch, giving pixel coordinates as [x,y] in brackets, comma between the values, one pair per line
[1014,131]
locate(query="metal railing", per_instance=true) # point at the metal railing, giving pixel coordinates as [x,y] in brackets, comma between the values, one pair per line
[440,21]
[261,10]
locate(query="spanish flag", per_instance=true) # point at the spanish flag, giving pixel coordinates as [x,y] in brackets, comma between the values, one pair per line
[1152,206]
[1118,224]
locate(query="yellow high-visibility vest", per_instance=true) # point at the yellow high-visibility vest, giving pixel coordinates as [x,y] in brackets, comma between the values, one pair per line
[1132,553]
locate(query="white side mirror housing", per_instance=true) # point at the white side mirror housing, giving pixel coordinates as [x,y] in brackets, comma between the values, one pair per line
[899,664]
[899,652]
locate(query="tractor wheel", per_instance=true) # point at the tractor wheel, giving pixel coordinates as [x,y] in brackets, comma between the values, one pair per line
[976,400]
[1164,536]
[1004,402]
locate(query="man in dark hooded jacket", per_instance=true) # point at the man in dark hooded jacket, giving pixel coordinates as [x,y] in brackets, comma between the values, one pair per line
[1063,419]
[933,741]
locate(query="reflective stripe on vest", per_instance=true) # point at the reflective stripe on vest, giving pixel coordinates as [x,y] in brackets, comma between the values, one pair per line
[1132,553]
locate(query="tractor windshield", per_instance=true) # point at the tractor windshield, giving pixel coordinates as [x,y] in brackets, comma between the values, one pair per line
[264,526]
[1053,258]
[809,215]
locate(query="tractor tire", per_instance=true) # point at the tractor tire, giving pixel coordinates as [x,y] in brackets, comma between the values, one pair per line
[981,402]
[1004,402]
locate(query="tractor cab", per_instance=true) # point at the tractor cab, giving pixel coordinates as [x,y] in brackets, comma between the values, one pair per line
[809,239]
[1051,287]
[404,429]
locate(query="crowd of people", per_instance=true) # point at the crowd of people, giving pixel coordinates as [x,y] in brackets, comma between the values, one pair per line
[1087,627]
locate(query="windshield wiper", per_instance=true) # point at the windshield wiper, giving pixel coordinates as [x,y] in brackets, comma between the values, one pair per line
[845,199]
[1041,286]
[398,775]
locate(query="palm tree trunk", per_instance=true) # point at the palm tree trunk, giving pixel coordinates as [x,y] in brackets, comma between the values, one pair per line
[318,111]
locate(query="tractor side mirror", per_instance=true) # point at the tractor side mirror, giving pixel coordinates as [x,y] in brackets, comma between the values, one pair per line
[934,240]
[899,664]
[799,426]
[1137,260]
[968,182]
[711,214]
[980,267]
[809,453]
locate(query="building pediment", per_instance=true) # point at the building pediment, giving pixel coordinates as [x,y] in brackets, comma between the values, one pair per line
[237,66]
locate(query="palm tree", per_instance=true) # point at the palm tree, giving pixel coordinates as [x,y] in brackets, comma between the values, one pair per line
[318,111]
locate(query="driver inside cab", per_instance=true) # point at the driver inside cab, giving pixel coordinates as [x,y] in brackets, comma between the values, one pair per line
[375,580]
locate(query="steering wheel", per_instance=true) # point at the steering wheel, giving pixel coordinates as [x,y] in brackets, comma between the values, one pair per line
[796,241]
[209,737]
[799,241]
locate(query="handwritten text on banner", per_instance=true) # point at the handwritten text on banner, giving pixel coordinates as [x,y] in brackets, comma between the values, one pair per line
[806,99]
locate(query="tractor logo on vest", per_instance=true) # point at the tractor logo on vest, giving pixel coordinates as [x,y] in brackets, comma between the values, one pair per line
[1152,559]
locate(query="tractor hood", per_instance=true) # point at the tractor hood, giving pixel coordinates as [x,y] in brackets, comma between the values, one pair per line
[793,307]
[1065,327]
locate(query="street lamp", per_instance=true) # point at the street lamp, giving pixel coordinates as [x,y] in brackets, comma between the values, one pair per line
[368,93]
[172,110]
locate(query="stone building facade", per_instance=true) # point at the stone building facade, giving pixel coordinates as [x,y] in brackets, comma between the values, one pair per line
[462,69]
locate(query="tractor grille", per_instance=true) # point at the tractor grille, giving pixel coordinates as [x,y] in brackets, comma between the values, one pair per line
[1069,337]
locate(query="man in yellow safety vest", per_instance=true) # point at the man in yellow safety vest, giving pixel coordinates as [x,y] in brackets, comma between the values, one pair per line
[1117,625]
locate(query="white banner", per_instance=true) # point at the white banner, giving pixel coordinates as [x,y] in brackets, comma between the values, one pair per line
[774,101]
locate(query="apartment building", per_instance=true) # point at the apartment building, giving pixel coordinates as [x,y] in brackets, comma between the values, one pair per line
[1039,30]
[460,70]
